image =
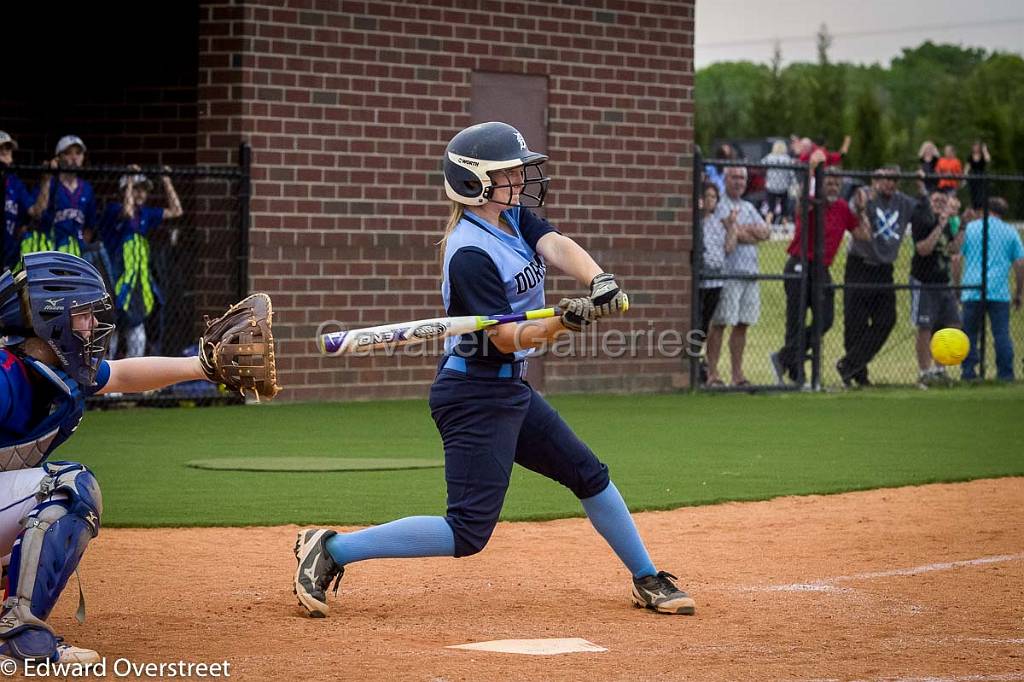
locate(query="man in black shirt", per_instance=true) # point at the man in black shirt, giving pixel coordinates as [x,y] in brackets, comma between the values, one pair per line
[933,305]
[869,312]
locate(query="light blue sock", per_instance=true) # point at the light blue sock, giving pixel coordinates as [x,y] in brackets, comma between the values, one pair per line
[413,536]
[609,515]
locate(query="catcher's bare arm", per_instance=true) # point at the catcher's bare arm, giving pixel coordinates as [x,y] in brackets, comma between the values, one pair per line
[135,375]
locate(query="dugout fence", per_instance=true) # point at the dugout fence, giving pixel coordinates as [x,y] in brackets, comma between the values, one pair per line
[164,274]
[830,297]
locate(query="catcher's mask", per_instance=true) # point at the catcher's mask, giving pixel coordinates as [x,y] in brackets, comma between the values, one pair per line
[476,152]
[66,305]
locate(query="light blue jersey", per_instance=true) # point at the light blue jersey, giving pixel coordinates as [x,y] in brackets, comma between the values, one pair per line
[490,272]
[1004,247]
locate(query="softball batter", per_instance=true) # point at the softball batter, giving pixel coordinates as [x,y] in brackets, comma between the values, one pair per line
[496,253]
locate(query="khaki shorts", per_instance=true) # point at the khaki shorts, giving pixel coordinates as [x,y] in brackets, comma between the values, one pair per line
[740,303]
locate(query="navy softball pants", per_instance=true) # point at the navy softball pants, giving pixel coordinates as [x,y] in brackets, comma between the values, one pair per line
[489,424]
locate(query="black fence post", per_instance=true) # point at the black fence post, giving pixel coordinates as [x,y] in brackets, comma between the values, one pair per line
[244,197]
[818,280]
[805,222]
[984,276]
[696,265]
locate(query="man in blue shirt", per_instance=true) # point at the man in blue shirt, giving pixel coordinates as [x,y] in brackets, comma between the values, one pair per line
[1004,250]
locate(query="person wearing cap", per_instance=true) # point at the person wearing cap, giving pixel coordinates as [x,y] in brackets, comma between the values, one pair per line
[125,230]
[19,204]
[69,200]
[869,301]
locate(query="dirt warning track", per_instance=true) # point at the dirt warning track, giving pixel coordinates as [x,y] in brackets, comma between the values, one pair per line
[908,583]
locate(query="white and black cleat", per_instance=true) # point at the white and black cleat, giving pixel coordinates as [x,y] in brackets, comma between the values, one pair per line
[659,593]
[315,571]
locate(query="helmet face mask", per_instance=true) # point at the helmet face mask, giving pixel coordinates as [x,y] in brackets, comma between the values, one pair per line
[92,329]
[532,190]
[475,154]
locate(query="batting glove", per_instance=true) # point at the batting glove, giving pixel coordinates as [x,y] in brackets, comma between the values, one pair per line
[577,312]
[606,295]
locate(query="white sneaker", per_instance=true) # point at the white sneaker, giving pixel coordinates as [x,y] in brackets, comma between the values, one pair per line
[69,653]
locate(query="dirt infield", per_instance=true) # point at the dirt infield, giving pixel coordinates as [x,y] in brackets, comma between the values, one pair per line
[923,582]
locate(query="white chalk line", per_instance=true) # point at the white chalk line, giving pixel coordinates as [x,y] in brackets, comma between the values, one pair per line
[997,677]
[828,584]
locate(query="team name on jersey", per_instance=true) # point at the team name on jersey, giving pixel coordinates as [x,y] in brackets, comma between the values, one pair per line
[10,215]
[531,275]
[69,214]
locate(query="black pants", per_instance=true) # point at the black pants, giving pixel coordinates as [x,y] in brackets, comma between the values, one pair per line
[796,316]
[868,315]
[708,302]
[777,204]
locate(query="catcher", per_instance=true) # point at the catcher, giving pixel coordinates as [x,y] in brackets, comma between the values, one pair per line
[53,318]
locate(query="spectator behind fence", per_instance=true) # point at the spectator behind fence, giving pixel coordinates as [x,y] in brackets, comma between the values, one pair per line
[125,229]
[1004,251]
[740,303]
[719,240]
[715,174]
[928,155]
[831,158]
[778,180]
[70,204]
[839,219]
[977,163]
[20,206]
[937,238]
[949,165]
[869,313]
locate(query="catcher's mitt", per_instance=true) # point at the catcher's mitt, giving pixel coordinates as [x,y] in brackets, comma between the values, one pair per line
[237,349]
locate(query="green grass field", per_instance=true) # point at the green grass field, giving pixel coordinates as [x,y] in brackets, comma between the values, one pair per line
[896,363]
[664,451]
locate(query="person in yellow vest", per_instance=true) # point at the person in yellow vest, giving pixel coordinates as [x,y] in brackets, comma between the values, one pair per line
[125,230]
[69,201]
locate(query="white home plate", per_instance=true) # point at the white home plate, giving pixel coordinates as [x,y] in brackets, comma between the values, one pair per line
[534,647]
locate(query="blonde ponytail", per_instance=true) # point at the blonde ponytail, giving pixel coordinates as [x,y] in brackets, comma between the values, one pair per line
[457,211]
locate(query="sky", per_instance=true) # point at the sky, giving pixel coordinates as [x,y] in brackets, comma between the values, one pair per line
[865,31]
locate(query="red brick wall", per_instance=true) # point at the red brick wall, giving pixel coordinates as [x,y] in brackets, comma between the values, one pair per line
[348,106]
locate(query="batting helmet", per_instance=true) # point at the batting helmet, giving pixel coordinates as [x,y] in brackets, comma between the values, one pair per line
[477,151]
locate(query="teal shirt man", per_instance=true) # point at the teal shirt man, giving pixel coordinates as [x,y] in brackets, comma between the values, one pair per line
[1005,251]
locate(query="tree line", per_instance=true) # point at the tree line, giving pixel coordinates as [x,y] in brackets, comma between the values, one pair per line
[945,93]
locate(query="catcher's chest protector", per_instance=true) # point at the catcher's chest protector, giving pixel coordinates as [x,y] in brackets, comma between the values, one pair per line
[65,413]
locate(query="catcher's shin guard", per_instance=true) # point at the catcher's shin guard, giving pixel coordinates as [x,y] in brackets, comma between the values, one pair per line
[45,555]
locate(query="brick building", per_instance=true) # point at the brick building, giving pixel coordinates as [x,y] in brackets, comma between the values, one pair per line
[348,106]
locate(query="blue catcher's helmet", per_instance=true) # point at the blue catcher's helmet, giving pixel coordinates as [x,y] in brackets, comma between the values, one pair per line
[477,151]
[69,309]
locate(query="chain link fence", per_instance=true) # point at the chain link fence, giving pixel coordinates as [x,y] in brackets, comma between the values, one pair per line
[180,254]
[836,305]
